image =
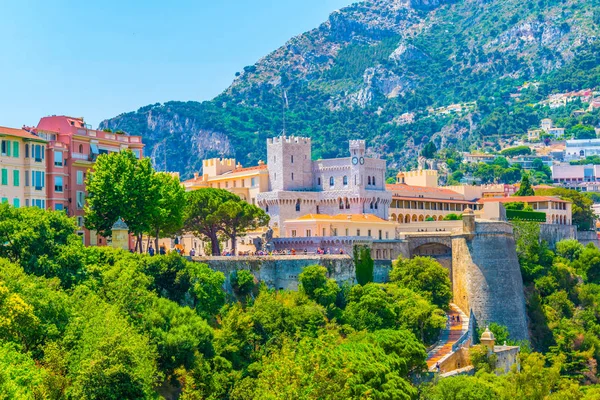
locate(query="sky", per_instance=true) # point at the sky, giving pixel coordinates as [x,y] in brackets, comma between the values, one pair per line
[98,59]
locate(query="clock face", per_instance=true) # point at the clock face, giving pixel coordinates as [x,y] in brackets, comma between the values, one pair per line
[362,160]
[354,160]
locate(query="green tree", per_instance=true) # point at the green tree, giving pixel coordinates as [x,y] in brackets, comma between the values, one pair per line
[239,217]
[168,218]
[122,186]
[314,282]
[204,213]
[426,276]
[242,282]
[525,189]
[364,264]
[429,150]
[580,131]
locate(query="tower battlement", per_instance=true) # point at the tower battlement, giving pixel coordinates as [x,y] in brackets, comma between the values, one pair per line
[289,139]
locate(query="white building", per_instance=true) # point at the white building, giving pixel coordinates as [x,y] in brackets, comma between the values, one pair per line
[576,149]
[299,186]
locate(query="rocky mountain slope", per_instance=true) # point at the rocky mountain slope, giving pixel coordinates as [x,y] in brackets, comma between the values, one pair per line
[379,70]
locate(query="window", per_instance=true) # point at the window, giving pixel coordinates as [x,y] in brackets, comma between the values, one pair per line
[298,205]
[59,207]
[369,180]
[324,232]
[331,181]
[16,178]
[387,235]
[5,148]
[37,152]
[80,177]
[137,153]
[26,178]
[373,181]
[58,184]
[371,206]
[80,221]
[253,182]
[380,235]
[334,232]
[308,233]
[345,181]
[80,200]
[4,200]
[293,233]
[369,232]
[358,232]
[267,209]
[347,204]
[39,203]
[347,232]
[292,159]
[26,150]
[26,202]
[16,149]
[4,177]
[292,176]
[58,158]
[318,181]
[16,203]
[81,148]
[341,204]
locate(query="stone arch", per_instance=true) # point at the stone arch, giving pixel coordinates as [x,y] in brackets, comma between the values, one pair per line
[393,217]
[414,218]
[400,218]
[435,218]
[421,219]
[407,219]
[427,217]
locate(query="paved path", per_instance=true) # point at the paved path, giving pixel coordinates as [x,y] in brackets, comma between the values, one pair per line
[448,337]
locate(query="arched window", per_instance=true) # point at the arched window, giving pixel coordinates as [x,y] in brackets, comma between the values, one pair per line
[331,181]
[319,181]
[266,208]
[347,204]
[376,206]
[292,159]
[341,204]
[373,181]
[80,149]
[345,180]
[369,180]
[298,205]
[371,206]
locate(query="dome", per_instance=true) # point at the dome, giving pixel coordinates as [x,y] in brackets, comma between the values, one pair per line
[400,175]
[120,225]
[468,210]
[487,335]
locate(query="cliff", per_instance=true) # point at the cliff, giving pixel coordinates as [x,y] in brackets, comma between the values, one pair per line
[372,62]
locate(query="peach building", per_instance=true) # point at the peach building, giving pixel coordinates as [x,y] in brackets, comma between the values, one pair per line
[416,197]
[22,168]
[558,212]
[226,174]
[346,225]
[73,147]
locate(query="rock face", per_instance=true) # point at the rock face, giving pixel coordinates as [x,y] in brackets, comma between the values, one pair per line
[362,68]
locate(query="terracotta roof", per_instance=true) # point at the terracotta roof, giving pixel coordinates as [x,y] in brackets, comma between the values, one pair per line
[341,217]
[419,189]
[19,133]
[432,200]
[256,167]
[524,199]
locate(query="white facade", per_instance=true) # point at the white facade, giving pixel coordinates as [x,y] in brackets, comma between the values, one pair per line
[299,186]
[576,149]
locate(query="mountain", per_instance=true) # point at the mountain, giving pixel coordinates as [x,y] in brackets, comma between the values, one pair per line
[386,71]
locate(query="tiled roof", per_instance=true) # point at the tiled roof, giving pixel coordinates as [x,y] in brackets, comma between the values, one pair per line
[524,199]
[19,133]
[341,217]
[256,167]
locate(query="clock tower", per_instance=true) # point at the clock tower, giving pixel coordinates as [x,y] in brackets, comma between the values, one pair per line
[357,159]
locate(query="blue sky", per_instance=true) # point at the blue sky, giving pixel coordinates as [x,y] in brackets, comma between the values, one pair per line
[97,59]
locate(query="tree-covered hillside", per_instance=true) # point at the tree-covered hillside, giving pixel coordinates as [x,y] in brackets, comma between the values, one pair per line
[372,62]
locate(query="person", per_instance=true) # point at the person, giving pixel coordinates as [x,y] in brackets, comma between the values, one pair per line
[192,253]
[162,251]
[151,250]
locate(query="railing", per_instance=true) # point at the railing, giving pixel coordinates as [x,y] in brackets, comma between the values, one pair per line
[80,156]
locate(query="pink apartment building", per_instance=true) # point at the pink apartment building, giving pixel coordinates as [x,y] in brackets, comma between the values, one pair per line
[73,147]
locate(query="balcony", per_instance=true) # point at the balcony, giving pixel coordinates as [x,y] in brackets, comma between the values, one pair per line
[109,136]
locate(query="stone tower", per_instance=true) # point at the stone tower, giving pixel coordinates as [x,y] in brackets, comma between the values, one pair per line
[290,163]
[357,157]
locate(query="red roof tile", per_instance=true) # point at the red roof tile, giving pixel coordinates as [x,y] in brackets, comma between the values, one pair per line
[524,199]
[19,133]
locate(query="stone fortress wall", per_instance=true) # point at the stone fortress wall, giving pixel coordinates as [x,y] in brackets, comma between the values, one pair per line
[482,258]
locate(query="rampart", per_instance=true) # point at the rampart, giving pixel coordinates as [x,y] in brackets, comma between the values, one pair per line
[281,272]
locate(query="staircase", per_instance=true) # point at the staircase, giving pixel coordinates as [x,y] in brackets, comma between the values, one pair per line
[455,334]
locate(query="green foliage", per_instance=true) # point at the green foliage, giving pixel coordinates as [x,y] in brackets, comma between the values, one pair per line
[171,204]
[516,215]
[425,276]
[238,217]
[452,217]
[364,264]
[242,282]
[429,150]
[314,282]
[516,151]
[525,189]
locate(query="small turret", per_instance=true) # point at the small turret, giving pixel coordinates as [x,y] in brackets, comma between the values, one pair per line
[488,340]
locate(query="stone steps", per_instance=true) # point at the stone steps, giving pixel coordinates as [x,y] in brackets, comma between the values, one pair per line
[448,337]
